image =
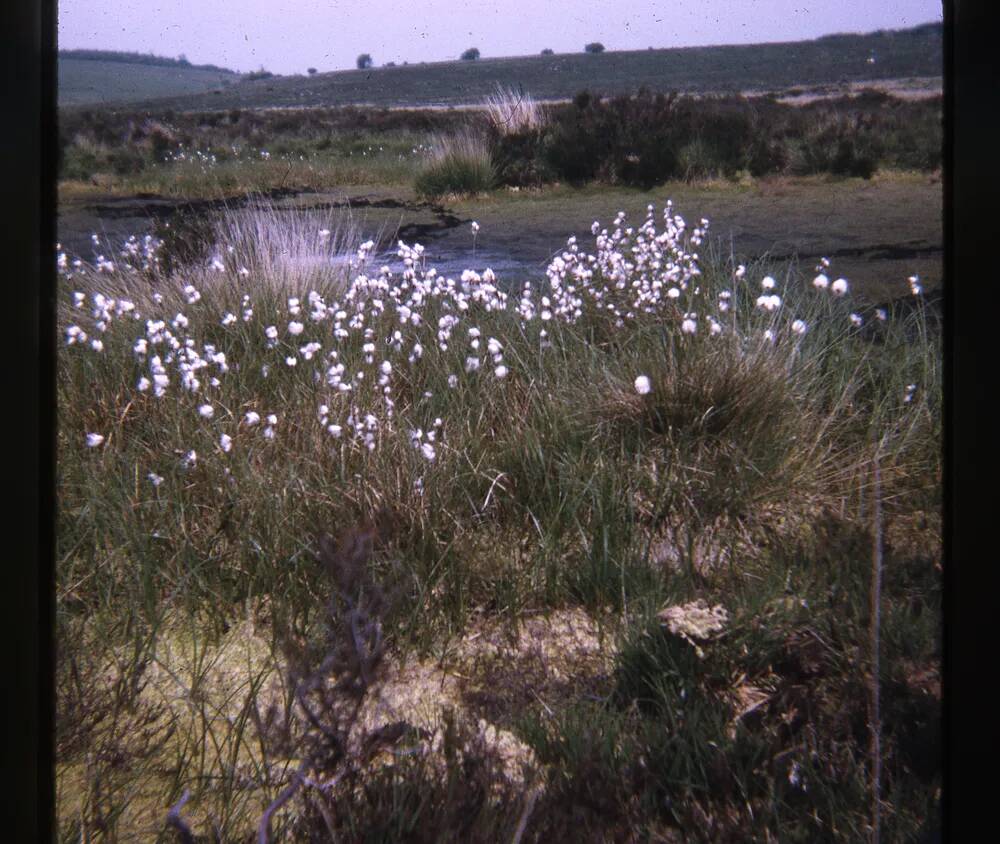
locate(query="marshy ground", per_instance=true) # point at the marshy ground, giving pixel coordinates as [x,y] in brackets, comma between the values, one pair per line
[582,550]
[878,231]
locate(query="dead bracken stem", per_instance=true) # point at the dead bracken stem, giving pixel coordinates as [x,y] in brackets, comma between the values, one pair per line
[354,649]
[876,611]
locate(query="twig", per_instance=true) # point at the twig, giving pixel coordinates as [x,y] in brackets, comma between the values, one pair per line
[876,614]
[289,170]
[264,829]
[522,823]
[174,819]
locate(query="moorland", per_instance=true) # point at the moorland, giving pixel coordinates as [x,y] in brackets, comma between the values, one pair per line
[523,471]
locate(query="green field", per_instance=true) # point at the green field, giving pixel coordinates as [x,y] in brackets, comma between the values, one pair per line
[898,54]
[92,82]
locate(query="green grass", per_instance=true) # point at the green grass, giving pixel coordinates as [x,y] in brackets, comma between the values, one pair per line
[94,82]
[743,479]
[458,164]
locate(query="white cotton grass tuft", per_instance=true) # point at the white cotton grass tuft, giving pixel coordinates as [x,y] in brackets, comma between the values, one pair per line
[839,287]
[376,328]
[769,302]
[94,440]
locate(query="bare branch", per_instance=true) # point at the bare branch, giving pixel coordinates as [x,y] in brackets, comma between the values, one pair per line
[264,829]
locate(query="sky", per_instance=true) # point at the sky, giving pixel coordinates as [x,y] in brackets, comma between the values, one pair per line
[289,36]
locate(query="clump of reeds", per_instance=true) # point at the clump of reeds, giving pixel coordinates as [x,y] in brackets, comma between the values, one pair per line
[510,112]
[288,248]
[459,163]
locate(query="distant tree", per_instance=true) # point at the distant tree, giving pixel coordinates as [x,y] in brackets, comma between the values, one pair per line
[470,55]
[594,47]
[182,60]
[390,64]
[311,71]
[546,52]
[364,61]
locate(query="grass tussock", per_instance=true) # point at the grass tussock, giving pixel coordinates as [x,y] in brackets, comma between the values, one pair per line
[459,164]
[288,496]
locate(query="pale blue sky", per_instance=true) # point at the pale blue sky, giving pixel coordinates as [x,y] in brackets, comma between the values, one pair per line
[287,36]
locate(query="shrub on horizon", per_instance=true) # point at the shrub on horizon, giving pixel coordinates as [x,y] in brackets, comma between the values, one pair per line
[594,47]
[470,55]
[364,61]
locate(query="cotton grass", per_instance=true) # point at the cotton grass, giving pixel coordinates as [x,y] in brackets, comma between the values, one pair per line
[535,441]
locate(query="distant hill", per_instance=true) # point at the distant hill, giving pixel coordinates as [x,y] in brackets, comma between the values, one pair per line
[139,58]
[886,54]
[108,77]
